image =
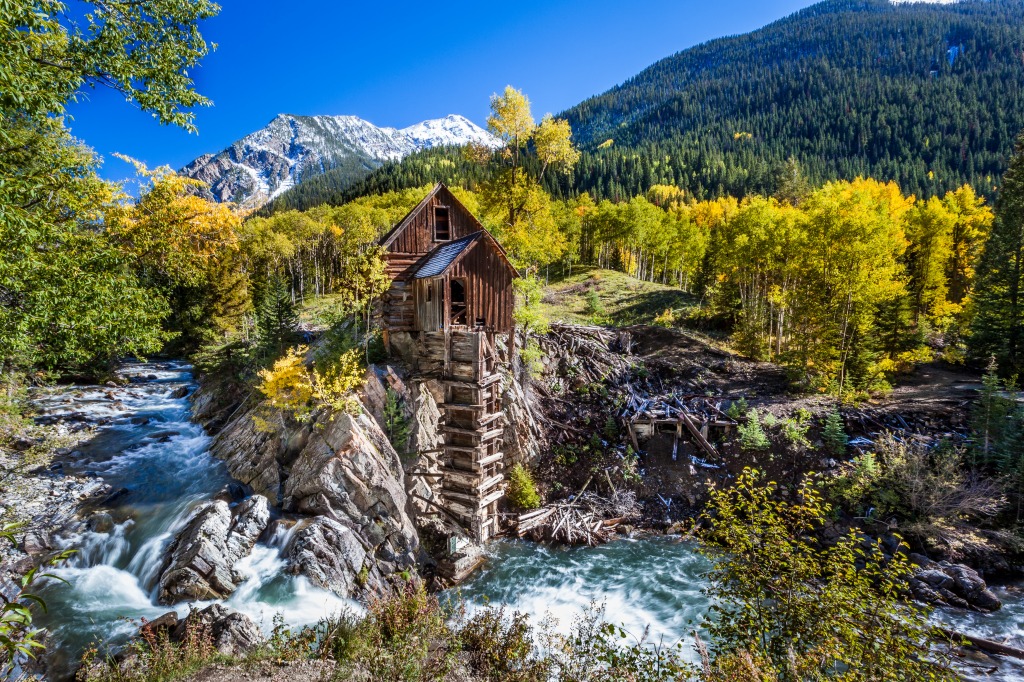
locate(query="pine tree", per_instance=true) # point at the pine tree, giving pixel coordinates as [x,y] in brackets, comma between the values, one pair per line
[752,436]
[998,328]
[834,435]
[276,319]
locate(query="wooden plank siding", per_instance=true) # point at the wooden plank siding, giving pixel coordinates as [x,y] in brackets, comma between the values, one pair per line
[482,268]
[489,293]
[408,247]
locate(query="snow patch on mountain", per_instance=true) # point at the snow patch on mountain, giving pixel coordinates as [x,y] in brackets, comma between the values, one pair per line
[291,149]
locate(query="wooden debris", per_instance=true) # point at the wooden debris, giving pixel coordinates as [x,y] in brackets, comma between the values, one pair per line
[586,519]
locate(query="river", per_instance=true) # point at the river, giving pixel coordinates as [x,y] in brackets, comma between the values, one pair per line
[149,446]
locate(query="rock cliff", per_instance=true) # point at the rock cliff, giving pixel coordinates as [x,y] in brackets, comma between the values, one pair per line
[340,479]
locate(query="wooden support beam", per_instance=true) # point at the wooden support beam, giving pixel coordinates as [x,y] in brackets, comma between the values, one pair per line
[707,447]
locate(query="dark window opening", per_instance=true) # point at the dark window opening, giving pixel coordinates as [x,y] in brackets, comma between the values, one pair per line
[442,226]
[480,322]
[458,301]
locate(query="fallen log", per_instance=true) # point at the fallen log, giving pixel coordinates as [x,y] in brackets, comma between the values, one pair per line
[986,645]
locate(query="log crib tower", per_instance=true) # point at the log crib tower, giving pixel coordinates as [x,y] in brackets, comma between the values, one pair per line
[451,292]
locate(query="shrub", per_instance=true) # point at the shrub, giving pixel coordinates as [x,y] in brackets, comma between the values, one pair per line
[396,424]
[333,388]
[405,637]
[855,487]
[668,318]
[795,432]
[738,408]
[752,436]
[531,356]
[500,647]
[290,387]
[286,385]
[594,306]
[154,658]
[522,491]
[806,610]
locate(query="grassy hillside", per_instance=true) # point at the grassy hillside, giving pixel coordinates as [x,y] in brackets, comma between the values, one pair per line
[595,296]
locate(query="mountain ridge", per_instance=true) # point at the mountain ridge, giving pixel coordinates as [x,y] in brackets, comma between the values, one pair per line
[291,148]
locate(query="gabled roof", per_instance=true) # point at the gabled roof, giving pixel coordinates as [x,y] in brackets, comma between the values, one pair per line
[386,240]
[444,256]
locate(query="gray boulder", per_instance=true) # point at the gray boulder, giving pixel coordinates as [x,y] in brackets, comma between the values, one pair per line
[232,633]
[201,559]
[951,584]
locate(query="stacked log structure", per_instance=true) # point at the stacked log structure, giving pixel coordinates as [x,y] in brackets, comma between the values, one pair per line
[472,467]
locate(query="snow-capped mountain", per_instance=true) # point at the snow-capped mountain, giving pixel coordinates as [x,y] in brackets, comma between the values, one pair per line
[290,149]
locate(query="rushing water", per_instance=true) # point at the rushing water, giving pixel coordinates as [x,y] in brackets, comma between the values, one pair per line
[150,447]
[658,584]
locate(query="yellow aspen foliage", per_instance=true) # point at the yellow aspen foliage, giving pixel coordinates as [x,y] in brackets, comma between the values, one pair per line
[971,227]
[335,386]
[287,386]
[173,233]
[291,387]
[511,119]
[553,142]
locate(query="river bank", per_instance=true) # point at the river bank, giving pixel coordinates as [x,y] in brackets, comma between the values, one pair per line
[154,466]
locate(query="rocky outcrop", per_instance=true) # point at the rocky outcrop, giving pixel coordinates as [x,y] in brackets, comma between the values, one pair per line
[254,455]
[333,557]
[349,472]
[203,555]
[231,633]
[951,584]
[340,470]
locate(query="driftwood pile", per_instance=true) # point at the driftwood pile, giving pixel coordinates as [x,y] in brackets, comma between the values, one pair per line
[912,425]
[595,353]
[586,519]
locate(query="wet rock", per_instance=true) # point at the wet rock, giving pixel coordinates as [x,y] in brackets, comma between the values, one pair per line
[332,557]
[180,392]
[165,623]
[951,584]
[232,633]
[203,555]
[101,522]
[35,543]
[113,497]
[232,492]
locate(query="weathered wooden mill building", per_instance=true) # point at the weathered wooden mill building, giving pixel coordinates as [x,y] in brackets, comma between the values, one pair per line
[452,293]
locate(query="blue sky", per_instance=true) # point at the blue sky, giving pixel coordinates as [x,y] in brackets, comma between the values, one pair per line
[397,63]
